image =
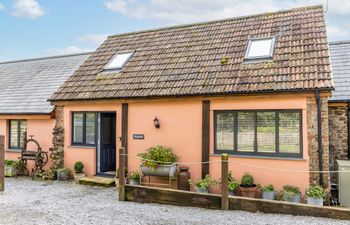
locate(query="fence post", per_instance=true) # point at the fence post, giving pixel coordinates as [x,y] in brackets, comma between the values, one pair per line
[121,188]
[224,181]
[2,156]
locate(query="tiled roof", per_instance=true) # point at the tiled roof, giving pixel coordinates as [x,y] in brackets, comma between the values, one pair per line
[185,60]
[26,85]
[340,58]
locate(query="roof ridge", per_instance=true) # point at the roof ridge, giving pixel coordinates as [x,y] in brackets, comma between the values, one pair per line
[216,21]
[46,57]
[339,42]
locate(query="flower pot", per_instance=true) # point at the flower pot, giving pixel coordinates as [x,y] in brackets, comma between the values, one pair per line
[10,171]
[160,171]
[269,195]
[201,190]
[78,176]
[134,182]
[232,193]
[62,175]
[296,198]
[248,192]
[315,201]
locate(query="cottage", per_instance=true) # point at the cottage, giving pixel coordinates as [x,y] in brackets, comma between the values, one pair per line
[255,87]
[25,87]
[339,107]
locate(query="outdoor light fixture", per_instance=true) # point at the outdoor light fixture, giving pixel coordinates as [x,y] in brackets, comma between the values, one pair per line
[156,122]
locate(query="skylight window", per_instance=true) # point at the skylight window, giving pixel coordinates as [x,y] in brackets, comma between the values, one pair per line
[260,48]
[119,61]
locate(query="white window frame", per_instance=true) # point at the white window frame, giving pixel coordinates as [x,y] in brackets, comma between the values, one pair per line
[272,48]
[122,65]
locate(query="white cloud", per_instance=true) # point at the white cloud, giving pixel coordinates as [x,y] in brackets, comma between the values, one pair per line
[93,38]
[2,7]
[67,50]
[27,9]
[335,32]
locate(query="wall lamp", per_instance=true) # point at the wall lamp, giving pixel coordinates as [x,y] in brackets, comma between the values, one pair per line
[156,122]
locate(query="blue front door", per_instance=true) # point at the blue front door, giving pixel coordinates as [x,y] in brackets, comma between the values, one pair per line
[107,142]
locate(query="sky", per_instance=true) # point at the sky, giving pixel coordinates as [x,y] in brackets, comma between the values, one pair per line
[38,28]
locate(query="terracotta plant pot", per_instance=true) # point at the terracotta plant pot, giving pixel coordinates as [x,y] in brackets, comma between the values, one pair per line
[249,192]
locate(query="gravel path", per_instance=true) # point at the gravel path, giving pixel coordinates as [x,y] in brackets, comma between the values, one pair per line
[34,202]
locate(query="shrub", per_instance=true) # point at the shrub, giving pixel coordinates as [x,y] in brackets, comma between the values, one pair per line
[134,176]
[233,185]
[268,188]
[78,167]
[247,180]
[204,183]
[291,189]
[315,191]
[14,163]
[157,156]
[64,170]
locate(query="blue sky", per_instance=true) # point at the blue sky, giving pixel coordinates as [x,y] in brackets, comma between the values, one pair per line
[35,28]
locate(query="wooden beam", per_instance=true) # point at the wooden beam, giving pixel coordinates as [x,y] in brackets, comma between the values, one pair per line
[125,108]
[205,136]
[2,156]
[224,182]
[121,188]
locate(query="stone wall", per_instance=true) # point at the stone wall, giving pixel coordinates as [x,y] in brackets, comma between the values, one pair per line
[57,151]
[338,136]
[312,133]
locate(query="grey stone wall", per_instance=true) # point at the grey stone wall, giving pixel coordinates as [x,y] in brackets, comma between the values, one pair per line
[338,136]
[57,151]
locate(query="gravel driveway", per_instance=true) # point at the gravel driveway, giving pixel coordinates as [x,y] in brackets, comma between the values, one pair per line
[34,202]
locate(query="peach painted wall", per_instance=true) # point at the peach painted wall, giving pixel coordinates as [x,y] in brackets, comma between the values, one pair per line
[40,128]
[181,129]
[87,155]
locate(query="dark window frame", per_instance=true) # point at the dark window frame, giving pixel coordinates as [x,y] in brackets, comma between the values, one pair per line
[83,143]
[256,152]
[18,146]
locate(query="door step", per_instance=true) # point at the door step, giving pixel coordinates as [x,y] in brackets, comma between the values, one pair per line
[97,181]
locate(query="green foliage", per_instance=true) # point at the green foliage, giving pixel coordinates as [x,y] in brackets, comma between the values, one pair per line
[268,188]
[64,170]
[233,185]
[315,191]
[291,189]
[48,175]
[78,167]
[14,163]
[247,180]
[157,156]
[134,176]
[204,183]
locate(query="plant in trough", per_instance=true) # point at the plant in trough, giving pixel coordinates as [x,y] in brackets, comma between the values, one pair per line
[315,195]
[134,178]
[290,194]
[78,167]
[157,156]
[233,185]
[267,188]
[63,174]
[268,192]
[248,188]
[202,185]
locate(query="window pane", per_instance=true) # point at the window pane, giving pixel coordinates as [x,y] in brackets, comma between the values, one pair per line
[246,131]
[266,132]
[260,48]
[90,128]
[78,128]
[224,131]
[119,60]
[23,130]
[14,133]
[289,132]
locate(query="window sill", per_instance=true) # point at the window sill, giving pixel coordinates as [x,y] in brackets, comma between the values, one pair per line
[82,146]
[261,157]
[13,150]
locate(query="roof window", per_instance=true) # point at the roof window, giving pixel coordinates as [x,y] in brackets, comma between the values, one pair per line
[119,61]
[260,48]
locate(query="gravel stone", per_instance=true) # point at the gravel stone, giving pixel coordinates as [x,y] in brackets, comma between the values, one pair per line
[30,202]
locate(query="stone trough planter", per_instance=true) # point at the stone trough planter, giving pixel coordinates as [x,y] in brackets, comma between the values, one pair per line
[10,171]
[160,171]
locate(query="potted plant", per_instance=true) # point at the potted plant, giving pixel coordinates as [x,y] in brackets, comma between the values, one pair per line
[158,161]
[315,195]
[11,167]
[247,186]
[78,171]
[134,178]
[232,187]
[291,194]
[63,174]
[268,192]
[202,185]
